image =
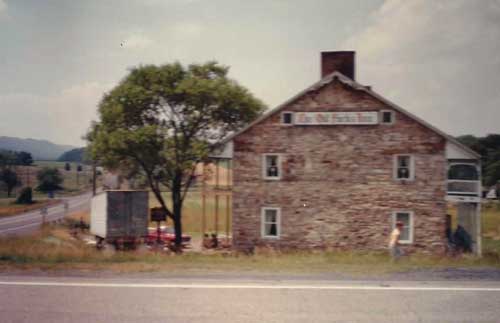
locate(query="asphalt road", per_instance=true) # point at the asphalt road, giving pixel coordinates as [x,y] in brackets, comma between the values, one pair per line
[28,222]
[42,299]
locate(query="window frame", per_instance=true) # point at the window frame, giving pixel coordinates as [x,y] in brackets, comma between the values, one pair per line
[410,223]
[393,117]
[411,167]
[283,118]
[264,167]
[263,222]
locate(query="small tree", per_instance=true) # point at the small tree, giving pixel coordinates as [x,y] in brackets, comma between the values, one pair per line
[24,158]
[9,177]
[26,196]
[163,120]
[67,167]
[49,180]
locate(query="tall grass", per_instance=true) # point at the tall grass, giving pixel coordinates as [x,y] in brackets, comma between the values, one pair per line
[54,248]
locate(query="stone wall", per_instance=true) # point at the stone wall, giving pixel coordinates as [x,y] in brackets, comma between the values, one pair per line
[337,189]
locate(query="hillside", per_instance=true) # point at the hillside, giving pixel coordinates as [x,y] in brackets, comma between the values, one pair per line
[39,149]
[76,155]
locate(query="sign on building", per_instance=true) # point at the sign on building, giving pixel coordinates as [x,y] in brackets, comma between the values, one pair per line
[336,118]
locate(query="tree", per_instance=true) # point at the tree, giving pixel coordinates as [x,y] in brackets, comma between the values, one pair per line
[77,155]
[162,120]
[24,158]
[7,158]
[26,196]
[49,180]
[9,177]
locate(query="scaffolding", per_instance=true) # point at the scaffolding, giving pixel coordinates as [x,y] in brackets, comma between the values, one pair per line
[217,196]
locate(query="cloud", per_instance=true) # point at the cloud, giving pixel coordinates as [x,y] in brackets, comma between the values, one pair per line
[3,5]
[436,59]
[187,29]
[136,41]
[63,117]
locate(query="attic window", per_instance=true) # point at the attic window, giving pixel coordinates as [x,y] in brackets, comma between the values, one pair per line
[287,118]
[387,116]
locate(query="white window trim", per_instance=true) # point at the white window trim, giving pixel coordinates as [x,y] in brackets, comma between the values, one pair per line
[264,170]
[393,117]
[263,223]
[395,168]
[283,118]
[410,214]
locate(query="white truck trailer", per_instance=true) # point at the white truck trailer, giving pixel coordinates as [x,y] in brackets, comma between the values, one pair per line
[119,218]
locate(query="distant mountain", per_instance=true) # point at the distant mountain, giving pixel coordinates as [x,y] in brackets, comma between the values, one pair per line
[39,149]
[76,155]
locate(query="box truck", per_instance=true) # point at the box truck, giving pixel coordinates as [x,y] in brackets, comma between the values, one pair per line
[119,218]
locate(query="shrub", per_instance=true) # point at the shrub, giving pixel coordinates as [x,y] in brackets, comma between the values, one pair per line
[25,197]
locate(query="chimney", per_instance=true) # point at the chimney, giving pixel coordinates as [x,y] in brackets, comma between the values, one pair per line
[341,61]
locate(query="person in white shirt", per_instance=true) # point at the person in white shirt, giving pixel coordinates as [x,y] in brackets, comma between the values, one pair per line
[394,248]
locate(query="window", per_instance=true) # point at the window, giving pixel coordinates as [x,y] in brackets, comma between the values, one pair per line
[387,116]
[272,166]
[407,230]
[465,172]
[271,222]
[287,118]
[404,167]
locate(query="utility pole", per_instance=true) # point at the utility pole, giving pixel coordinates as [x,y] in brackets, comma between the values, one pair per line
[94,178]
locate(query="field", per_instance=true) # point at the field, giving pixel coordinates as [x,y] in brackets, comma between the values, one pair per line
[74,183]
[193,211]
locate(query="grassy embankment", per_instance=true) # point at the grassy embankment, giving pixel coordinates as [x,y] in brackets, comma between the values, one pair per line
[8,206]
[54,248]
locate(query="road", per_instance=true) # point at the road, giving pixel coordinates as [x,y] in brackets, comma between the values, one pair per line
[71,299]
[30,221]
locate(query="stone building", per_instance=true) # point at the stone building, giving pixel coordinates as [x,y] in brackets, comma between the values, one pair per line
[336,165]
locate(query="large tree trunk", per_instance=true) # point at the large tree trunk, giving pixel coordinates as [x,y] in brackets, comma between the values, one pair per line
[177,210]
[178,229]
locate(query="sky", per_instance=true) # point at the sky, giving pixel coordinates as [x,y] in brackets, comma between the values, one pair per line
[437,59]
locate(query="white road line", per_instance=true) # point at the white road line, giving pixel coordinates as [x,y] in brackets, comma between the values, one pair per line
[231,286]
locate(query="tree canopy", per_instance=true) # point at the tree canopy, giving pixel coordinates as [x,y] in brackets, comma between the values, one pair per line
[49,180]
[10,179]
[77,155]
[160,121]
[15,158]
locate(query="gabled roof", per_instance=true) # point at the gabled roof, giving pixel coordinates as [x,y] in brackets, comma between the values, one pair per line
[349,82]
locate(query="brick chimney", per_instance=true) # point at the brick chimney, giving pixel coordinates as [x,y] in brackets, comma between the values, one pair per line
[341,61]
